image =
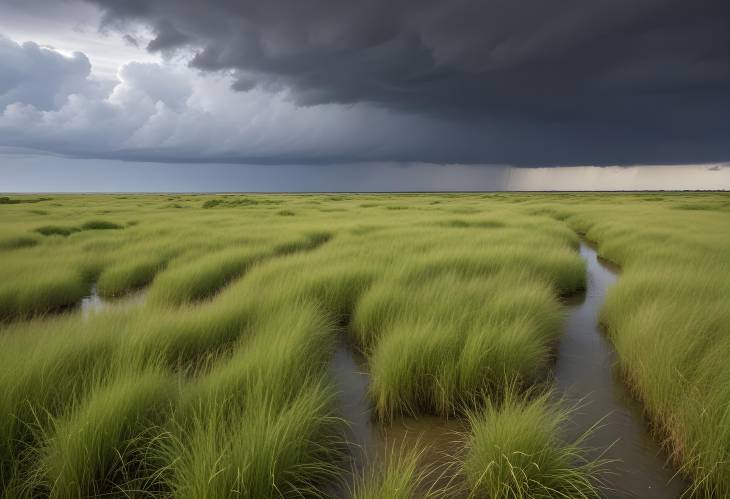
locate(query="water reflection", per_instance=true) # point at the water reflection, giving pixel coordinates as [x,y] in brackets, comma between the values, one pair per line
[586,373]
[93,303]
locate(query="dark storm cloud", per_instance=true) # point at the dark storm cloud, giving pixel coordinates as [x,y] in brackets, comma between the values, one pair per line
[130,40]
[572,81]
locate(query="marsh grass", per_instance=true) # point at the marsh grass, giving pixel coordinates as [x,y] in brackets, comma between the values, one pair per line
[129,275]
[261,450]
[446,342]
[202,277]
[39,387]
[206,275]
[89,447]
[262,423]
[513,451]
[100,225]
[49,290]
[9,241]
[400,474]
[669,321]
[218,384]
[56,230]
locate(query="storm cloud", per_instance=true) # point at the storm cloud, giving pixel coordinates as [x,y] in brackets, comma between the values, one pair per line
[530,82]
[171,113]
[638,79]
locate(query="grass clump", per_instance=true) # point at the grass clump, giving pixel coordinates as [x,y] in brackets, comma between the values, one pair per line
[127,276]
[100,225]
[51,290]
[481,224]
[9,200]
[229,201]
[435,347]
[513,452]
[401,474]
[101,443]
[59,230]
[56,230]
[8,242]
[212,203]
[262,423]
[60,363]
[202,277]
[264,449]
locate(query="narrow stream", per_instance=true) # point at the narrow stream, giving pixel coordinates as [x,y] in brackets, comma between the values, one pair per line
[94,303]
[372,442]
[585,371]
[351,381]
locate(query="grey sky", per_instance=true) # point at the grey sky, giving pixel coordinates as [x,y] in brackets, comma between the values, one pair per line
[350,92]
[33,173]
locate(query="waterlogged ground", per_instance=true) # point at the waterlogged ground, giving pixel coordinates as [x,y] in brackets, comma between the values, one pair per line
[365,345]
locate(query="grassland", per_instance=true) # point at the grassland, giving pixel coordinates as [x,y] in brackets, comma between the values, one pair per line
[216,384]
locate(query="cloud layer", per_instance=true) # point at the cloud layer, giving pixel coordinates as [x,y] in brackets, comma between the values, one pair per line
[162,112]
[529,83]
[39,77]
[656,67]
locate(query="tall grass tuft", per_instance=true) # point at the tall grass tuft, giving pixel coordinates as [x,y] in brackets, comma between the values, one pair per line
[400,474]
[434,347]
[93,446]
[513,451]
[55,289]
[261,422]
[129,275]
[100,225]
[260,449]
[202,277]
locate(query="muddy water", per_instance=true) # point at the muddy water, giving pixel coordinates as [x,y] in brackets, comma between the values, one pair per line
[371,442]
[93,303]
[351,381]
[586,370]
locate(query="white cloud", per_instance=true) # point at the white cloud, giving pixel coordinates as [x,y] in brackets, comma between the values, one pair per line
[41,77]
[167,111]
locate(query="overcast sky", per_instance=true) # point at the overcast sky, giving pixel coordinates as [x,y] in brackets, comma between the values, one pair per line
[353,95]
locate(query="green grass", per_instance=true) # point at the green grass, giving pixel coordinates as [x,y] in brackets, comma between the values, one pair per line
[262,422]
[401,474]
[91,448]
[60,363]
[9,241]
[262,450]
[49,290]
[454,339]
[668,319]
[450,323]
[202,277]
[56,230]
[24,199]
[128,275]
[513,452]
[100,225]
[670,323]
[217,381]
